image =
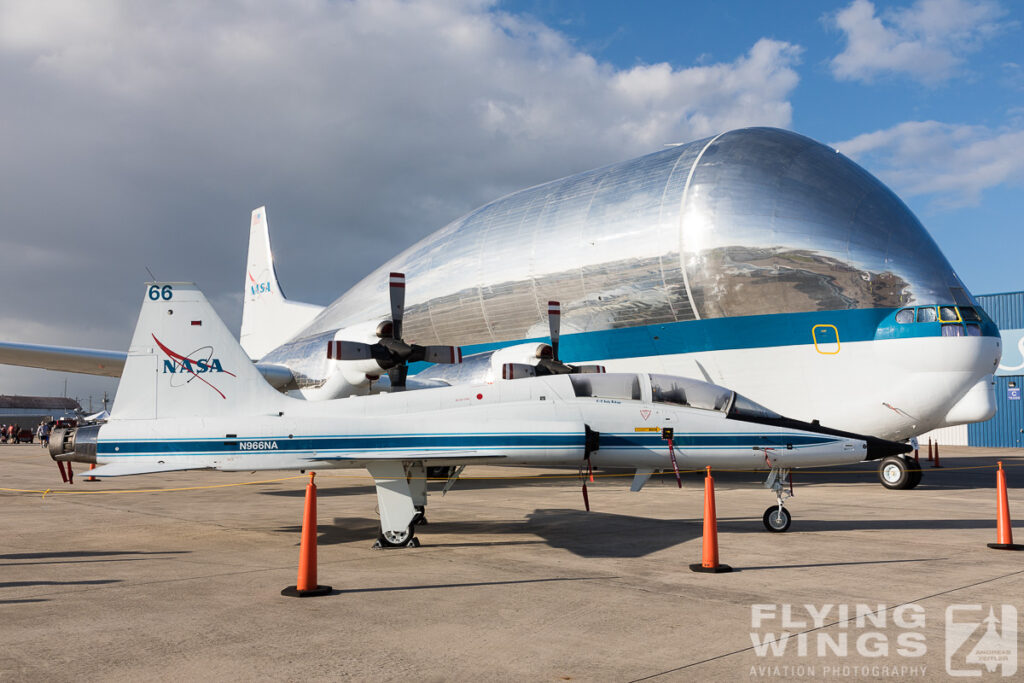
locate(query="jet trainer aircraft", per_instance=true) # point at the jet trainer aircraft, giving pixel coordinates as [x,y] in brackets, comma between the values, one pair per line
[190,398]
[757,259]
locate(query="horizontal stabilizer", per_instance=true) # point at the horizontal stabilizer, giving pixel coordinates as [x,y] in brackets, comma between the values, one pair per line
[123,469]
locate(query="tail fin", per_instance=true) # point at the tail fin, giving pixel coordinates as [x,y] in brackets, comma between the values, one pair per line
[184,362]
[268,318]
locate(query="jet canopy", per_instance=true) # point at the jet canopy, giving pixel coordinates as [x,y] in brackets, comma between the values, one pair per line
[670,389]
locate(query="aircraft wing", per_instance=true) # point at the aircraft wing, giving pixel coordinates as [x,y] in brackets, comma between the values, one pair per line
[100,362]
[123,469]
[63,358]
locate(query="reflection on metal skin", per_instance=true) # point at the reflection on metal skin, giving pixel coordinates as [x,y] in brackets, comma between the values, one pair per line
[751,222]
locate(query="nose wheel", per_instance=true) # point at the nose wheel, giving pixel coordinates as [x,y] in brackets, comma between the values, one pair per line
[897,472]
[777,519]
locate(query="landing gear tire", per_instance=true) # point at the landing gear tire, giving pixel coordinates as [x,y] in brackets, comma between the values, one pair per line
[398,539]
[777,519]
[915,473]
[898,473]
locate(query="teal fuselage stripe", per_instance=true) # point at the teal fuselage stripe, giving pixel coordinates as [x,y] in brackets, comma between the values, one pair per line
[490,442]
[352,443]
[743,332]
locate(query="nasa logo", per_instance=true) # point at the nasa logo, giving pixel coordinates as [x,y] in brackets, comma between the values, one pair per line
[192,366]
[196,367]
[260,287]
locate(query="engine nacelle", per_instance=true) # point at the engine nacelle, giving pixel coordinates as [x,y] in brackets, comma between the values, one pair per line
[77,444]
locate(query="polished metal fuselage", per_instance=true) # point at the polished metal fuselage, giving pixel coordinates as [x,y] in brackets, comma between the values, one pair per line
[752,222]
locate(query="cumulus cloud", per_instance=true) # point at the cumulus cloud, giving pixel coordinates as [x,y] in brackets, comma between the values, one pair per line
[927,41]
[955,163]
[142,134]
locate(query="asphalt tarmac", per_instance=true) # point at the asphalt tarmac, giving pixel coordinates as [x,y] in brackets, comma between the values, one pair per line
[179,578]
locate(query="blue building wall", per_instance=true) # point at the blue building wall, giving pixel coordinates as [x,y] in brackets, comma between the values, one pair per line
[1006,429]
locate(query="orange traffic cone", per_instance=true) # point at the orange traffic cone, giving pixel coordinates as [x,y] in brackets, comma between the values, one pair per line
[936,463]
[90,477]
[1004,531]
[930,457]
[709,558]
[306,585]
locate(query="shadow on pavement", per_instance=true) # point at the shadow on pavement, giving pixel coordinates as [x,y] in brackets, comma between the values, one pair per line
[601,534]
[22,584]
[472,584]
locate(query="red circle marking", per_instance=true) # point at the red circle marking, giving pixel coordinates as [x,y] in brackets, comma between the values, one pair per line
[479,396]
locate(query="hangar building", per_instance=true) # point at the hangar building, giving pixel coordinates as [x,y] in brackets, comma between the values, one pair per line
[29,411]
[1006,429]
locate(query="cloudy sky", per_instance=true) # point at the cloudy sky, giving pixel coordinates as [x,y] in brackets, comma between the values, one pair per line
[141,134]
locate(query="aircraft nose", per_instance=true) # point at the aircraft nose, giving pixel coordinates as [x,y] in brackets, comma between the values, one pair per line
[881,448]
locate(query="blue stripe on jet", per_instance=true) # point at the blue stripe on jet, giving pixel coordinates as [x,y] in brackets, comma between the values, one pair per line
[491,442]
[354,443]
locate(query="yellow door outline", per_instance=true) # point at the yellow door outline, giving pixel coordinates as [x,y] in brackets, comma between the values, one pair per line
[814,335]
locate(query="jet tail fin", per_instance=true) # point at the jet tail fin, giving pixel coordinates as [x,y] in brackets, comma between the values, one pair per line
[184,362]
[268,318]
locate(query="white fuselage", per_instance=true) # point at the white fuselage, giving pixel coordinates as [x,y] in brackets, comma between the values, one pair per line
[538,421]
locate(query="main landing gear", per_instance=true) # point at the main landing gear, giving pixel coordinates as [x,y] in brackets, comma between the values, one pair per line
[777,518]
[897,472]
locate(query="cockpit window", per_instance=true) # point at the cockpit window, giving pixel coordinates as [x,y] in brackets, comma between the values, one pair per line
[970,314]
[625,387]
[744,406]
[905,316]
[926,314]
[948,314]
[682,391]
[973,330]
[952,330]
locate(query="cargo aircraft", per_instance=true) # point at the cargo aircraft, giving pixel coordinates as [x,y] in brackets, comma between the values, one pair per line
[190,398]
[756,259]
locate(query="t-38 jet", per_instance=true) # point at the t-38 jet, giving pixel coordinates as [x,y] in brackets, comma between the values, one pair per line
[190,398]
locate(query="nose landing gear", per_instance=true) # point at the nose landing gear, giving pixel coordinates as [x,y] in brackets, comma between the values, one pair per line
[777,518]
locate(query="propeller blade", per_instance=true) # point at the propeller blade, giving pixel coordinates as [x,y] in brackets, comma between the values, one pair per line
[517,371]
[71,474]
[347,350]
[555,326]
[397,289]
[442,354]
[63,474]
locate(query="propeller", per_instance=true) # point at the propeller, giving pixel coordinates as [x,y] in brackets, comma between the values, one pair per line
[391,352]
[549,363]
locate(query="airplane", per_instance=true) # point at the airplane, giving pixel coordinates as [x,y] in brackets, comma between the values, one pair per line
[757,259]
[190,398]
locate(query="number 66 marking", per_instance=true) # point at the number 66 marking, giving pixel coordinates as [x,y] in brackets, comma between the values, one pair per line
[165,292]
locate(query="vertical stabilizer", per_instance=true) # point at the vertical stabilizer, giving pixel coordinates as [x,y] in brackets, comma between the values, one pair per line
[184,362]
[268,318]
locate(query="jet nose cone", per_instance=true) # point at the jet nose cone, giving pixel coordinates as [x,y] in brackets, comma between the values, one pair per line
[880,448]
